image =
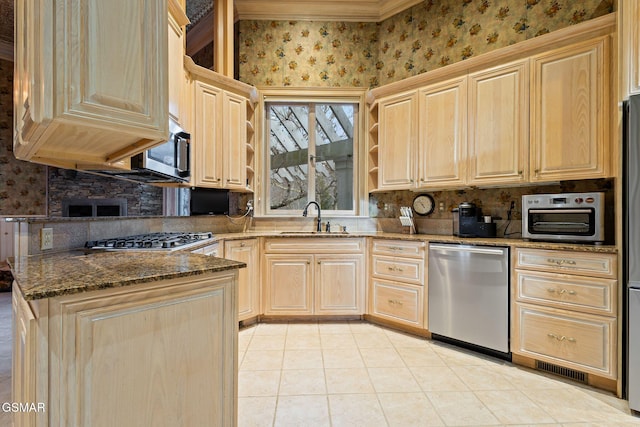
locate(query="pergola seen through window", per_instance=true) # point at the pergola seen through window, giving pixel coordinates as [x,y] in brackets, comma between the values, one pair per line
[311,148]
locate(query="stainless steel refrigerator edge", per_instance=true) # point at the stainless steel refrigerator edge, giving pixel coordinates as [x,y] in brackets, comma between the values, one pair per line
[631,246]
[469,294]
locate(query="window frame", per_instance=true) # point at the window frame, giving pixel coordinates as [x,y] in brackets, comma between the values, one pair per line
[355,96]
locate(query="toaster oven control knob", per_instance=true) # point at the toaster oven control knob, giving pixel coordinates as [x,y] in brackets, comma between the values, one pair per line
[579,200]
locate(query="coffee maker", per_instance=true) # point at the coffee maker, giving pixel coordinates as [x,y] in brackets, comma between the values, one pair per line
[468,222]
[468,219]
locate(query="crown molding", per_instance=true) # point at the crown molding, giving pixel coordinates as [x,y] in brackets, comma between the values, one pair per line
[6,50]
[327,10]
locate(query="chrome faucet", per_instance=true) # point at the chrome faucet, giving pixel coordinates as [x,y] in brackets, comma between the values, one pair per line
[305,211]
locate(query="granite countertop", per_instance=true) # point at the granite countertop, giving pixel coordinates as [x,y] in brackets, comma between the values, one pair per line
[46,276]
[431,238]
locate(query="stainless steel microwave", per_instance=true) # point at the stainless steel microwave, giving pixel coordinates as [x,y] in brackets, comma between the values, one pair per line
[565,217]
[165,163]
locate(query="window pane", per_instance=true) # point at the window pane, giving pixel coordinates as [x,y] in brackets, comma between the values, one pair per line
[289,148]
[334,156]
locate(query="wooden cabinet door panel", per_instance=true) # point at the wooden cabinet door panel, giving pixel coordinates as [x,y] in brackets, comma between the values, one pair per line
[176,73]
[91,80]
[124,350]
[288,287]
[556,261]
[581,341]
[586,294]
[24,375]
[339,285]
[442,142]
[206,136]
[248,287]
[397,133]
[569,131]
[234,140]
[404,270]
[398,302]
[499,125]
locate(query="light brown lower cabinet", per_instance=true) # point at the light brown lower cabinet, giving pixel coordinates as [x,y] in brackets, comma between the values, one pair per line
[565,309]
[314,276]
[130,356]
[246,250]
[397,282]
[400,303]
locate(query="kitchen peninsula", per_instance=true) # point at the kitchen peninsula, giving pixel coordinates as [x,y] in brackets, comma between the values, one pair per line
[125,338]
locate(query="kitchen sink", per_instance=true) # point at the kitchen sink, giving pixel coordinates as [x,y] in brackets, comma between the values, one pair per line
[314,232]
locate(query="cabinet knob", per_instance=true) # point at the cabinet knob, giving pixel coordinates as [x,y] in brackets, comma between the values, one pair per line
[242,245]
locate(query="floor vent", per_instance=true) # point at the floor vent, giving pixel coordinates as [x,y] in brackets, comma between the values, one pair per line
[571,374]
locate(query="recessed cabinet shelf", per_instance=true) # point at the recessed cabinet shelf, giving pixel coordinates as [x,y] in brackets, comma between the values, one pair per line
[372,144]
[250,128]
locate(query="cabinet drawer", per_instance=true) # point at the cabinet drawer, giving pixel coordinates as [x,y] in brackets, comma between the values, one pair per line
[587,263]
[397,302]
[314,245]
[593,295]
[403,269]
[580,341]
[398,248]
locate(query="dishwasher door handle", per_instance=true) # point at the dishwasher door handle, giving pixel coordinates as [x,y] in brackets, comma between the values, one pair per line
[467,249]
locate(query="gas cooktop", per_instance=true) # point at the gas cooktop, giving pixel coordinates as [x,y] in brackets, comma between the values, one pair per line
[152,241]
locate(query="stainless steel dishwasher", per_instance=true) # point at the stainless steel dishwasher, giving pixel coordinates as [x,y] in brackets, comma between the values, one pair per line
[469,294]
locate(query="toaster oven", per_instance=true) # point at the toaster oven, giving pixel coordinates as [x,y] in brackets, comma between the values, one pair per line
[577,217]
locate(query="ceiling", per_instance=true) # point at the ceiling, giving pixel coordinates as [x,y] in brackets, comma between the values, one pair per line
[326,10]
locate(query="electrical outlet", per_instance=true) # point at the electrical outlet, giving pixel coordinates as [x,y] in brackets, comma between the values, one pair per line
[46,238]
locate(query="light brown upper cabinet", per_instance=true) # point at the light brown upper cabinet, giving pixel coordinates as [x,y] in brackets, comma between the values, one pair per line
[442,141]
[90,80]
[569,112]
[397,133]
[540,111]
[206,138]
[499,125]
[178,86]
[221,147]
[629,33]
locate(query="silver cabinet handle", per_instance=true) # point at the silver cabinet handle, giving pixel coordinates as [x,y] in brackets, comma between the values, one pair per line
[395,302]
[557,261]
[561,291]
[561,337]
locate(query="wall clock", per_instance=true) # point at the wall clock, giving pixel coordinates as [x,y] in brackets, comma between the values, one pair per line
[423,204]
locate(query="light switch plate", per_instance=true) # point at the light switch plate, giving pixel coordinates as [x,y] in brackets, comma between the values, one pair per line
[46,238]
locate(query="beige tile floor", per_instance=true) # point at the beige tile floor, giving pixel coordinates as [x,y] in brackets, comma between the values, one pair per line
[358,374]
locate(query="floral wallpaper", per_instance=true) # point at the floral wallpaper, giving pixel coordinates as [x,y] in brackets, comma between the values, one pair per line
[307,53]
[436,33]
[22,184]
[427,36]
